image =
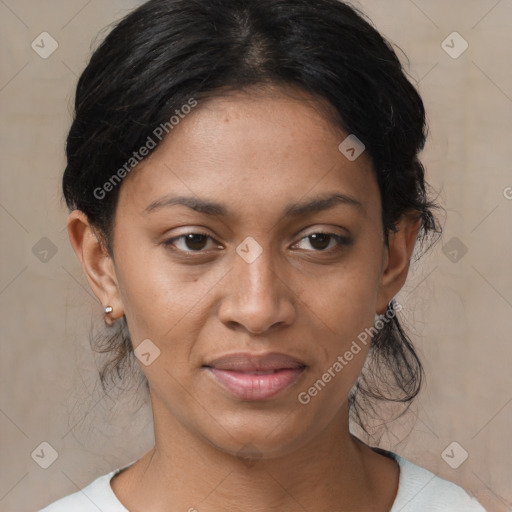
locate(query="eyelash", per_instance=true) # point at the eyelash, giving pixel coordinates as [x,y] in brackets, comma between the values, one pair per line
[342,241]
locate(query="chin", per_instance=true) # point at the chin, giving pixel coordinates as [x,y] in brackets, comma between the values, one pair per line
[261,436]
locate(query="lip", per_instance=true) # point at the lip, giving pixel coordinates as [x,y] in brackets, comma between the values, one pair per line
[254,376]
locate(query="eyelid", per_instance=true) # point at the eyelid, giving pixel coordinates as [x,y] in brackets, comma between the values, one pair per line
[170,241]
[326,231]
[342,240]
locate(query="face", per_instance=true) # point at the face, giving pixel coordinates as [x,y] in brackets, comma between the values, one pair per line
[252,287]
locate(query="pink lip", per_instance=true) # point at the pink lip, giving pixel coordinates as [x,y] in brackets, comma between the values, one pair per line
[256,377]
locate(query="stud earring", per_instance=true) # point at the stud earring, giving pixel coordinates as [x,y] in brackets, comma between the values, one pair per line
[109,309]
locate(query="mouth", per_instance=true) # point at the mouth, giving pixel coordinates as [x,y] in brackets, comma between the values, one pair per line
[256,377]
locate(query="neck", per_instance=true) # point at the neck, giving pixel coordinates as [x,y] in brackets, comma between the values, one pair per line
[332,471]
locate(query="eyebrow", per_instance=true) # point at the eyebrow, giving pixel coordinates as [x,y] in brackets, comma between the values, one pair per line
[317,204]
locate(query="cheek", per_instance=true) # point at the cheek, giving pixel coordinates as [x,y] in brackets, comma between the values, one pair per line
[155,293]
[343,304]
[345,297]
[342,339]
[167,303]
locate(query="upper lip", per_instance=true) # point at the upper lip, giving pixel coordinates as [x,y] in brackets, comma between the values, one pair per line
[246,362]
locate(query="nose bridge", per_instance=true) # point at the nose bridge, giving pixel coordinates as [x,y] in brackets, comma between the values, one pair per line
[257,298]
[255,270]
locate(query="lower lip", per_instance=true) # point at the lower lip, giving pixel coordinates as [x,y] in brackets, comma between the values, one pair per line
[251,386]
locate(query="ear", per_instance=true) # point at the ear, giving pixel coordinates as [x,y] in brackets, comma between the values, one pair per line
[397,260]
[97,264]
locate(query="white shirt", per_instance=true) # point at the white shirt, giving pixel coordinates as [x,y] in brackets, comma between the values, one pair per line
[419,490]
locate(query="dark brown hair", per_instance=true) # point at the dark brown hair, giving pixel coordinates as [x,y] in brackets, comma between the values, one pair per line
[168,51]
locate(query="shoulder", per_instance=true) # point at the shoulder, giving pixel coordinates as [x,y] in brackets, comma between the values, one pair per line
[421,490]
[98,495]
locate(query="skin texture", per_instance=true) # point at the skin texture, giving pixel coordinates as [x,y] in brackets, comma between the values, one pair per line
[255,154]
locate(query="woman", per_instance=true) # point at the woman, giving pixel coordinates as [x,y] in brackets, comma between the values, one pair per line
[245,196]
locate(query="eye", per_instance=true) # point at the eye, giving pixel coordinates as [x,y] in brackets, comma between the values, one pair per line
[197,242]
[190,242]
[321,241]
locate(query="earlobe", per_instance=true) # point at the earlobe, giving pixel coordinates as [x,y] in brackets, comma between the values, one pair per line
[96,262]
[397,260]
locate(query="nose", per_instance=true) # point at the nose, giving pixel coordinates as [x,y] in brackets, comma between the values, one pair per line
[258,296]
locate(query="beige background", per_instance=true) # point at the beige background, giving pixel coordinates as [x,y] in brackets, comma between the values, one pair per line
[459,313]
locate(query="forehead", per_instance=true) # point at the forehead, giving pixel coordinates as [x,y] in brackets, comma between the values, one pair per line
[252,151]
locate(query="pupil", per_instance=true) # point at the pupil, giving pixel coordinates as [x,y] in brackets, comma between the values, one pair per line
[196,241]
[193,239]
[322,237]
